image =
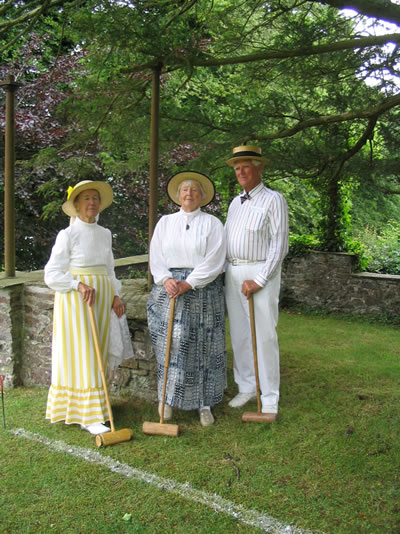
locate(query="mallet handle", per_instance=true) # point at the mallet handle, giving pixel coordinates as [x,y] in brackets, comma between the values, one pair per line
[2,378]
[100,363]
[167,354]
[254,343]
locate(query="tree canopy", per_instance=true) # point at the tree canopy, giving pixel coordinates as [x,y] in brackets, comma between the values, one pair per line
[317,89]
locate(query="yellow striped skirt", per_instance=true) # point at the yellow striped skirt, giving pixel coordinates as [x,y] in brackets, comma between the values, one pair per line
[76,393]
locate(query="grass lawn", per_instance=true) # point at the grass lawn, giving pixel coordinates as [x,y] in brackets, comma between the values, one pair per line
[330,464]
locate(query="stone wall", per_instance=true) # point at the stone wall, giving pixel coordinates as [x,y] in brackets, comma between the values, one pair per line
[37,331]
[326,281]
[317,281]
[11,334]
[136,376]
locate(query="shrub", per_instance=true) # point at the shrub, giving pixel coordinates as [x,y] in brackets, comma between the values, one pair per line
[383,248]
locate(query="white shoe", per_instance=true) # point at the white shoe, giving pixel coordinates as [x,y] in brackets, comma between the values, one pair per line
[167,411]
[96,428]
[206,417]
[241,399]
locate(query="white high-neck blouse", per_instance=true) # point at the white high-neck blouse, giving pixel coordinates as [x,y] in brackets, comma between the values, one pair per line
[193,240]
[81,245]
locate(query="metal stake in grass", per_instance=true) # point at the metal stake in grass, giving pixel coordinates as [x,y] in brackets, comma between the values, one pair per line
[162,428]
[2,378]
[113,437]
[258,417]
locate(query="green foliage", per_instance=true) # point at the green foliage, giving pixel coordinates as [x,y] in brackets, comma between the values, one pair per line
[90,68]
[300,244]
[374,205]
[359,248]
[50,210]
[383,248]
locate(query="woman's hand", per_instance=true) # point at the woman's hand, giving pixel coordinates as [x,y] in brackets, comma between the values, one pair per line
[88,293]
[182,288]
[118,307]
[171,287]
[175,288]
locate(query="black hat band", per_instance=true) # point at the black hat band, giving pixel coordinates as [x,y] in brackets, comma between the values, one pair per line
[246,153]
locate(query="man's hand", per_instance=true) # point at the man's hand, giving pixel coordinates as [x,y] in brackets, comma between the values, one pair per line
[249,287]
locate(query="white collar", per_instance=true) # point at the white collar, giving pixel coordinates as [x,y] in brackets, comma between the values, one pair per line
[189,214]
[254,191]
[79,222]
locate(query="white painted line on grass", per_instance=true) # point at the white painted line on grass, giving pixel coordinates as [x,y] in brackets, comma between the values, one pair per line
[186,491]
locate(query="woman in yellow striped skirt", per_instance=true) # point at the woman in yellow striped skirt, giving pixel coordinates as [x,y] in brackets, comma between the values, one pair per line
[81,272]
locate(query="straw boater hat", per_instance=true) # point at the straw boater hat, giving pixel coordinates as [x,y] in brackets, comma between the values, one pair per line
[246,152]
[106,195]
[183,176]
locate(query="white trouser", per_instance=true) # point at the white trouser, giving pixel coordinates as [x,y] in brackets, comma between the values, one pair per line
[266,311]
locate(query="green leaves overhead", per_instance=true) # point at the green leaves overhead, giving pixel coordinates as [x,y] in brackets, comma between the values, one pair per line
[289,75]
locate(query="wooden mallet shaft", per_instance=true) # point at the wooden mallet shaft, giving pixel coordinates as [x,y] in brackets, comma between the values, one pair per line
[259,417]
[2,378]
[113,437]
[161,428]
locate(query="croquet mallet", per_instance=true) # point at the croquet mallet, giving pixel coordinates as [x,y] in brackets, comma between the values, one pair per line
[2,378]
[258,417]
[115,436]
[162,428]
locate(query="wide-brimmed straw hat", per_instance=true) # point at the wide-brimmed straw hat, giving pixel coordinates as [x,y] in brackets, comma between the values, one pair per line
[106,195]
[246,152]
[183,176]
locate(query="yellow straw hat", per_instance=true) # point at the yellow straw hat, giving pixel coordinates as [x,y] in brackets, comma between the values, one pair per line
[183,176]
[106,195]
[246,152]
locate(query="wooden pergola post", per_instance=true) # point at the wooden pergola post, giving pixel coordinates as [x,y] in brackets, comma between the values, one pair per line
[10,86]
[154,139]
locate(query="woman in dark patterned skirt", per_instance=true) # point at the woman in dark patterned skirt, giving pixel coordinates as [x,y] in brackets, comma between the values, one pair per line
[187,256]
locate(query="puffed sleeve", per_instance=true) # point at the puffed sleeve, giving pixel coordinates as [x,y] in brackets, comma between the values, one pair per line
[110,268]
[214,260]
[158,266]
[56,275]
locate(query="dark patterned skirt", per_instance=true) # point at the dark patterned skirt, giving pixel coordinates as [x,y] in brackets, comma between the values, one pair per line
[197,368]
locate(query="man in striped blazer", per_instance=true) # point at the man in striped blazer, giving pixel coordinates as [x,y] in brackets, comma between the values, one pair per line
[257,242]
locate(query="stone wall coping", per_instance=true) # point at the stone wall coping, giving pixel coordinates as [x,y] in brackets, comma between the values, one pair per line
[132,260]
[328,253]
[377,276]
[21,277]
